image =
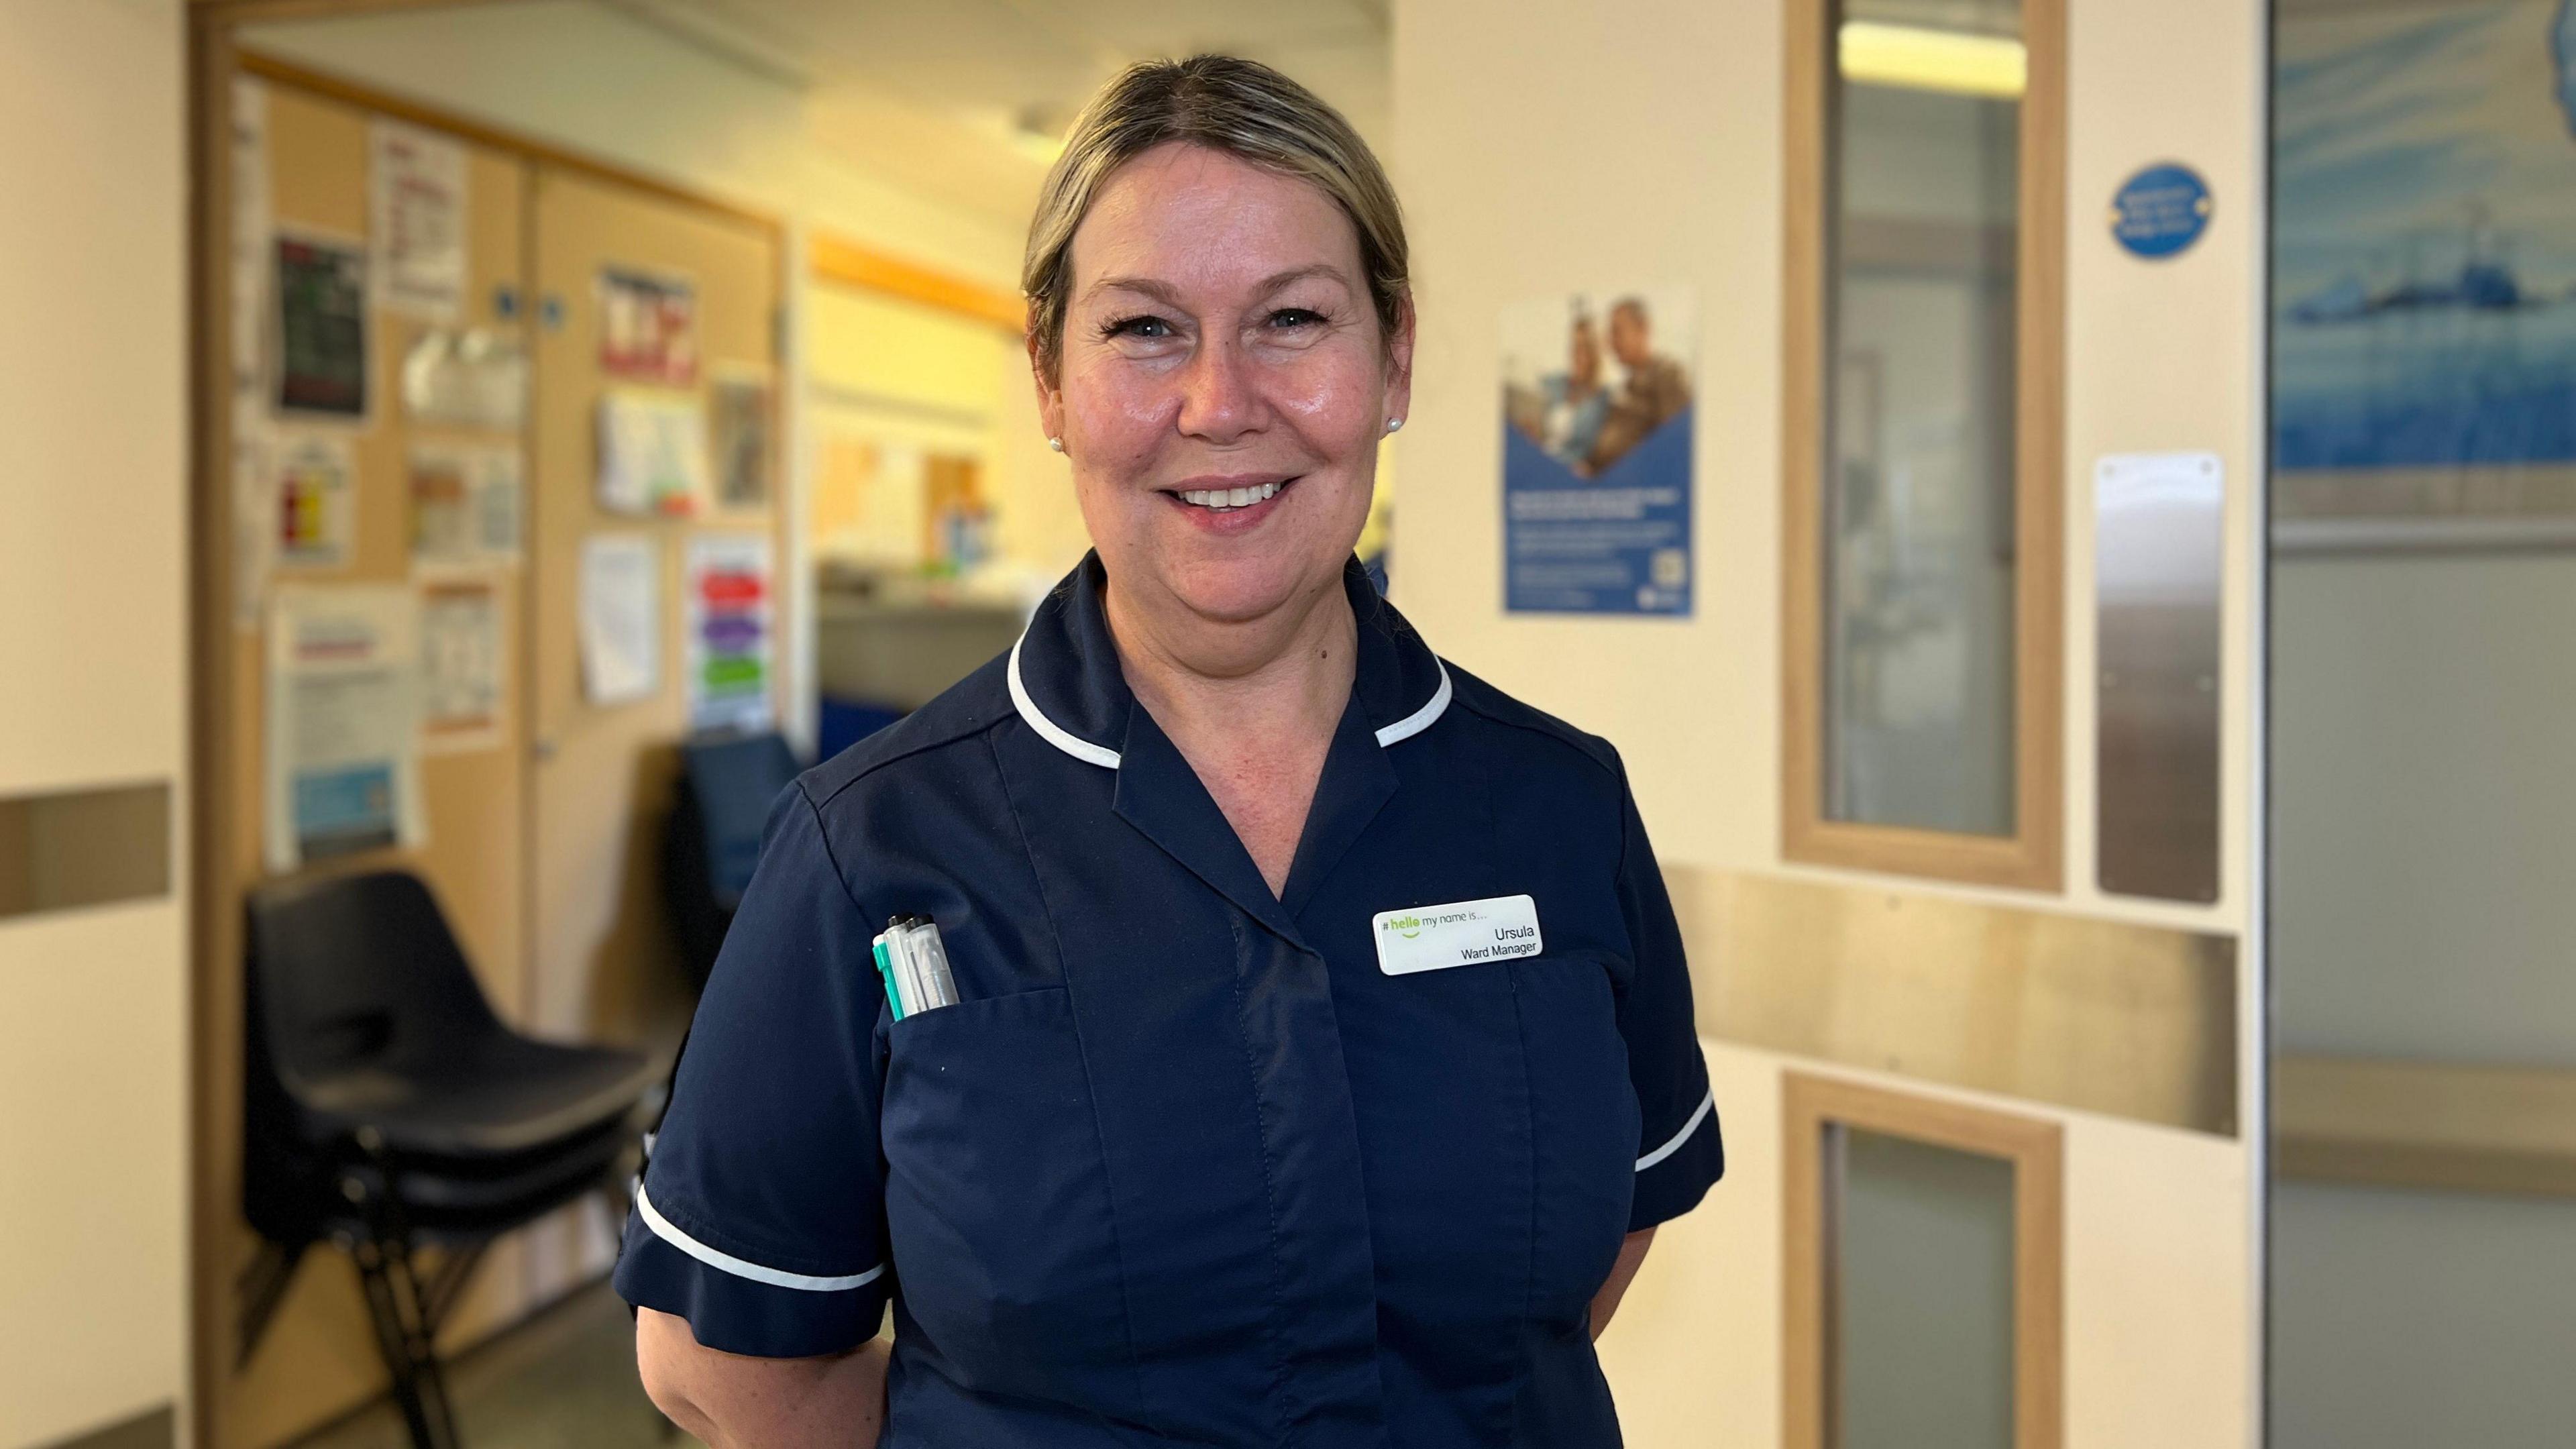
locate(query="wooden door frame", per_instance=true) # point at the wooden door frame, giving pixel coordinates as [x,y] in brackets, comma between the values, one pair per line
[2036,1149]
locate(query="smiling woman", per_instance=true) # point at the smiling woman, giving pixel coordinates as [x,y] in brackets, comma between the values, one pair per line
[1321,1058]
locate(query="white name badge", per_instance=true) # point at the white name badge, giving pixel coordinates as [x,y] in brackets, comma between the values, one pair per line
[1469,933]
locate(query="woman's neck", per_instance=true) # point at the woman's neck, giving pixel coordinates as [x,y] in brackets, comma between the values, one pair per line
[1288,671]
[1251,704]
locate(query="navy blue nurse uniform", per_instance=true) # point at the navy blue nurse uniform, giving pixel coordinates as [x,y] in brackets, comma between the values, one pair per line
[1186,1165]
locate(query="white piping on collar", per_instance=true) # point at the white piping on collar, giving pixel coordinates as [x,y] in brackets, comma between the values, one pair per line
[1421,719]
[1048,730]
[1101,755]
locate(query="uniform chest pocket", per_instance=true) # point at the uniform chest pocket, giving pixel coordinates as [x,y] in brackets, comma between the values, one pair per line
[1583,1127]
[997,1200]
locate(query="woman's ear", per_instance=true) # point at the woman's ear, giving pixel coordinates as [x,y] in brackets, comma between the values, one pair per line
[1050,396]
[1399,361]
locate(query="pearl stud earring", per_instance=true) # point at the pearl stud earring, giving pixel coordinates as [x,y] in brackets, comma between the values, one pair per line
[1394,424]
[1056,443]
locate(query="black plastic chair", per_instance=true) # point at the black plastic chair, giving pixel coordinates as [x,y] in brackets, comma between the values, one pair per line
[386,1109]
[727,784]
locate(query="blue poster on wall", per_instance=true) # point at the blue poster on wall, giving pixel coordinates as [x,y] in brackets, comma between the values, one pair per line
[1597,455]
[2424,283]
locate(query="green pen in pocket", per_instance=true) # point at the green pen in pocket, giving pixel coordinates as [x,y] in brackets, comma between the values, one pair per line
[885,972]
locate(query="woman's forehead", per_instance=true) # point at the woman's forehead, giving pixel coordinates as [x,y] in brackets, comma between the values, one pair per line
[1194,218]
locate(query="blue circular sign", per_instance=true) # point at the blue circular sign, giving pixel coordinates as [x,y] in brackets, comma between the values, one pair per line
[2161,211]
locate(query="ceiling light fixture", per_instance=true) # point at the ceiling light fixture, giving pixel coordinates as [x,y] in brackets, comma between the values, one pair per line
[1916,58]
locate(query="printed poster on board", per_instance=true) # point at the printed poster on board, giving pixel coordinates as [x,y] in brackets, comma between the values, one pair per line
[652,453]
[648,328]
[313,512]
[342,754]
[740,400]
[321,289]
[731,628]
[465,506]
[416,216]
[461,665]
[1597,392]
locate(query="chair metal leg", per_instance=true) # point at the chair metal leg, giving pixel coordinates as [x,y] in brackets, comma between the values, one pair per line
[394,1341]
[405,1317]
[429,1375]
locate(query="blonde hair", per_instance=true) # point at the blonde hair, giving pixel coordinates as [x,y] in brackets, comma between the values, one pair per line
[1242,108]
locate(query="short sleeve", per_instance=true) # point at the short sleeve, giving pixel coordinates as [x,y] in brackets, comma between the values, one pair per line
[760,1219]
[1681,1152]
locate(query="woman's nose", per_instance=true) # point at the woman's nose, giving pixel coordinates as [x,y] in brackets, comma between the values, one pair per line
[1219,401]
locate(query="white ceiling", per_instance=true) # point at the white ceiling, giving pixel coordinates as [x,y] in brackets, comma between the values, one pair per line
[929,93]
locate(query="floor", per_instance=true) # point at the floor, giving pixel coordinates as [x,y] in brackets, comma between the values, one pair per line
[563,1380]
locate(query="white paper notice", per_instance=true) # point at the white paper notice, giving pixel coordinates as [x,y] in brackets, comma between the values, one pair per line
[343,772]
[254,509]
[653,454]
[461,665]
[729,641]
[254,494]
[500,504]
[469,378]
[250,260]
[621,618]
[416,201]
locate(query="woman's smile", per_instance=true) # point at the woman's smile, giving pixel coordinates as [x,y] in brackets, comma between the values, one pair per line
[1229,506]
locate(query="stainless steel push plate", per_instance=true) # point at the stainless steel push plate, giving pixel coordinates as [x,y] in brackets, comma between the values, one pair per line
[2159,545]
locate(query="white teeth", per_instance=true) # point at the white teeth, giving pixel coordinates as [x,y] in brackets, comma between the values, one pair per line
[1231,497]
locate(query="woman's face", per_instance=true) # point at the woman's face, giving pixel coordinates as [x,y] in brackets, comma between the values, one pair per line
[1223,383]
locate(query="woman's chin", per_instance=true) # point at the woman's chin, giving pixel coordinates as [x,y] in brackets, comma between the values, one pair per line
[1240,586]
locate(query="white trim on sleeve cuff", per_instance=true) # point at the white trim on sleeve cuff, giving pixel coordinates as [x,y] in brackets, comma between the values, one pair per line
[1707,1104]
[713,1258]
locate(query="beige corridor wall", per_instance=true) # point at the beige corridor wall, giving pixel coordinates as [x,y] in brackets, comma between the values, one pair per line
[93,672]
[1543,148]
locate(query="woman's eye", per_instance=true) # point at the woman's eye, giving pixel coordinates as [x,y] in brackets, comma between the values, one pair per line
[1290,317]
[1149,328]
